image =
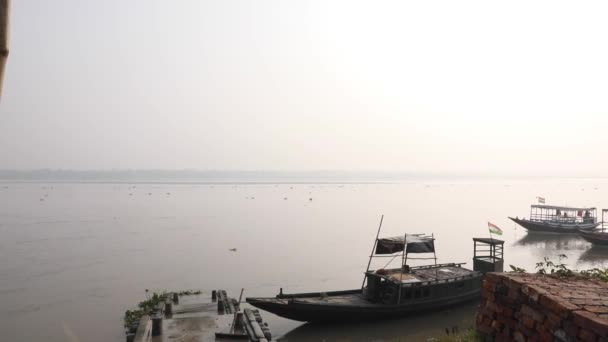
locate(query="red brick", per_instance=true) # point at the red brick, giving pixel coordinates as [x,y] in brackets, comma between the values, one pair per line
[570,328]
[586,336]
[597,309]
[545,336]
[497,326]
[536,315]
[590,321]
[493,277]
[557,305]
[519,337]
[528,322]
[552,321]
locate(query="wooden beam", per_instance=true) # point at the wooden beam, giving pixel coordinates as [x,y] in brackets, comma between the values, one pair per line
[4,28]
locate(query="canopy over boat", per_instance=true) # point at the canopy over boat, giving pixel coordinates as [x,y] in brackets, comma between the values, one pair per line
[415,243]
[556,207]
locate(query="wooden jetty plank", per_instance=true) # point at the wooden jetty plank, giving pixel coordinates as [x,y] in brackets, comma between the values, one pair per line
[144,331]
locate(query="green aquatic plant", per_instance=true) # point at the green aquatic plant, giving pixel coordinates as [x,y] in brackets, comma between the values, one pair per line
[469,335]
[146,307]
[596,273]
[561,270]
[547,266]
[516,269]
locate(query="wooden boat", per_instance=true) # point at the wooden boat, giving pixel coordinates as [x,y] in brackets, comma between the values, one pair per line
[597,237]
[388,292]
[556,219]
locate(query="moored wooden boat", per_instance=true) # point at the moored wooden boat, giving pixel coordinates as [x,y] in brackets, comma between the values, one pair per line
[391,292]
[556,219]
[450,284]
[597,237]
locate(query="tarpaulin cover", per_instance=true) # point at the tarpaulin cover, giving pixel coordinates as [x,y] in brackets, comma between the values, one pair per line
[415,244]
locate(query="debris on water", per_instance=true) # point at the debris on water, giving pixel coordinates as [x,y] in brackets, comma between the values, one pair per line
[232,249]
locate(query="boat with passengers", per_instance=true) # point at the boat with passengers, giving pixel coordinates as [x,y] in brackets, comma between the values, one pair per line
[389,292]
[558,219]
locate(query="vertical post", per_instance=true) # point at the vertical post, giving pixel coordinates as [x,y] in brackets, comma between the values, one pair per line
[435,255]
[233,326]
[371,255]
[403,259]
[5,7]
[474,249]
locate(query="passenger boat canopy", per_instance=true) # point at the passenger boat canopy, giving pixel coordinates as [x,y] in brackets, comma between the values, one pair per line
[542,206]
[414,243]
[541,212]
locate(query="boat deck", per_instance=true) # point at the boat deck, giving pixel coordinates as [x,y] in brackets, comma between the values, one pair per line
[426,274]
[351,300]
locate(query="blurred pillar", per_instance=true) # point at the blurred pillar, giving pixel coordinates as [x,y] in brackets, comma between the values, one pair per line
[4,26]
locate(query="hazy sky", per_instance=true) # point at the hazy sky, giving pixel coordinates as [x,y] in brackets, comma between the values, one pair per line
[511,86]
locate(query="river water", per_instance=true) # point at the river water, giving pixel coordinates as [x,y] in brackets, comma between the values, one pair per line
[74,257]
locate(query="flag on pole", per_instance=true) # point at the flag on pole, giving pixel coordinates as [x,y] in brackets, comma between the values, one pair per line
[494,229]
[541,200]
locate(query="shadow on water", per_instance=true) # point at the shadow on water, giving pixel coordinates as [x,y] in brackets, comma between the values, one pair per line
[596,255]
[553,242]
[412,328]
[584,254]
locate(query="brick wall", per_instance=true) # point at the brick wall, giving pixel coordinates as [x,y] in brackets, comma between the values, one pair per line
[531,307]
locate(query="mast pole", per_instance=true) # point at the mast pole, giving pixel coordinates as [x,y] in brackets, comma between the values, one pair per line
[371,255]
[403,256]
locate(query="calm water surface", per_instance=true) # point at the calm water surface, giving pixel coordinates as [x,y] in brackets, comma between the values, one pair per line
[74,257]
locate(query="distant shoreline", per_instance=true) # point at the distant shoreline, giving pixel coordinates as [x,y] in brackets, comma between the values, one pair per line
[258,177]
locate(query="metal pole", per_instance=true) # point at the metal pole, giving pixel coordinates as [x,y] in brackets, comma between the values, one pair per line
[403,256]
[372,253]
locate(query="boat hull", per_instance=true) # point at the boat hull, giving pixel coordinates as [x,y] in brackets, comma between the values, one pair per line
[298,310]
[550,227]
[600,239]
